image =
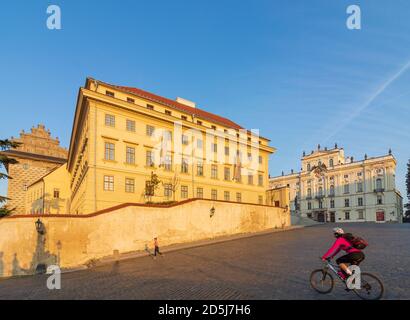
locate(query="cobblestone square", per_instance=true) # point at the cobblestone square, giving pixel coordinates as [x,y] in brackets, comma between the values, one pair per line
[270,266]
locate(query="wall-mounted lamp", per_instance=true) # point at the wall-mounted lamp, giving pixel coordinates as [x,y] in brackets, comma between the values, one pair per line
[212,212]
[40,227]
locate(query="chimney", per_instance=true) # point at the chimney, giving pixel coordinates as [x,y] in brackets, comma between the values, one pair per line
[186,102]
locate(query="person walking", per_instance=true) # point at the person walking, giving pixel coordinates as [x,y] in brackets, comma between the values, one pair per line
[156,247]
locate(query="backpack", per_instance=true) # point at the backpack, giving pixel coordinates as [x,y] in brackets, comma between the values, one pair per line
[356,242]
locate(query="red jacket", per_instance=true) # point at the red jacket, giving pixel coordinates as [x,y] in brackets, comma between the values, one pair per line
[340,244]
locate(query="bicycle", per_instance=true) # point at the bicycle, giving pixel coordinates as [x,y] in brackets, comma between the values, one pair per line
[322,281]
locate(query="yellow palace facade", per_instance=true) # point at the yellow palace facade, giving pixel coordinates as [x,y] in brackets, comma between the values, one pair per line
[129,145]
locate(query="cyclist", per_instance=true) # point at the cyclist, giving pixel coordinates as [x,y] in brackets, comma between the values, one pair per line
[353,256]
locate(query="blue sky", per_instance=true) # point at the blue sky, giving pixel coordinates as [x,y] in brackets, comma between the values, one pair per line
[289,68]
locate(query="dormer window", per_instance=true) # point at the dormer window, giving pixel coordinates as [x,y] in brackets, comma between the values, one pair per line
[109,93]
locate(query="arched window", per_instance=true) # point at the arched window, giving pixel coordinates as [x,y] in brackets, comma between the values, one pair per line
[331,163]
[309,192]
[308,167]
[320,191]
[332,190]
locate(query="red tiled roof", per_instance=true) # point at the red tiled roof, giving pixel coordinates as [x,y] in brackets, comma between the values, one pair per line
[181,107]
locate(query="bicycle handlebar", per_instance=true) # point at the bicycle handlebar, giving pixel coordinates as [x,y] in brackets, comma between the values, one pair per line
[327,259]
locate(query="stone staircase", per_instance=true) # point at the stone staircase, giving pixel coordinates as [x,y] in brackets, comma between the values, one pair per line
[297,220]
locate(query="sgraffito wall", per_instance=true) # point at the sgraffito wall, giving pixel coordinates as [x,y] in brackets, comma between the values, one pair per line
[72,240]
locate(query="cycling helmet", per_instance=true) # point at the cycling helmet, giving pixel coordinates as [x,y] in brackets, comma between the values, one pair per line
[338,231]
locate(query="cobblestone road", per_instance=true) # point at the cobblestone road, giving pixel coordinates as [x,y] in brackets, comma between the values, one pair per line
[273,266]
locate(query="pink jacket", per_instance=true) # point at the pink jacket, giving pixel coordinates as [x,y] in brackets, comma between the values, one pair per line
[340,244]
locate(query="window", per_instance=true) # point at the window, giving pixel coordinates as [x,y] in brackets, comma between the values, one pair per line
[332,190]
[309,192]
[320,204]
[214,147]
[227,151]
[260,159]
[184,192]
[130,155]
[214,194]
[168,162]
[109,93]
[347,203]
[214,171]
[260,180]
[200,193]
[330,162]
[226,195]
[238,197]
[360,187]
[249,156]
[308,167]
[149,130]
[379,199]
[56,194]
[250,178]
[168,113]
[360,201]
[378,183]
[227,174]
[109,183]
[199,122]
[309,206]
[130,125]
[130,100]
[346,188]
[110,120]
[150,107]
[199,143]
[167,135]
[332,204]
[213,127]
[260,199]
[320,191]
[184,118]
[149,158]
[200,169]
[347,215]
[184,165]
[167,190]
[129,185]
[360,215]
[109,151]
[184,139]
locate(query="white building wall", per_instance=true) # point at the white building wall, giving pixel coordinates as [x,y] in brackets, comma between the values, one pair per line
[345,171]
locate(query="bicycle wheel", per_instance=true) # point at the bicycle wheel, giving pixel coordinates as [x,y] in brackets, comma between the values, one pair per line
[321,281]
[371,288]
